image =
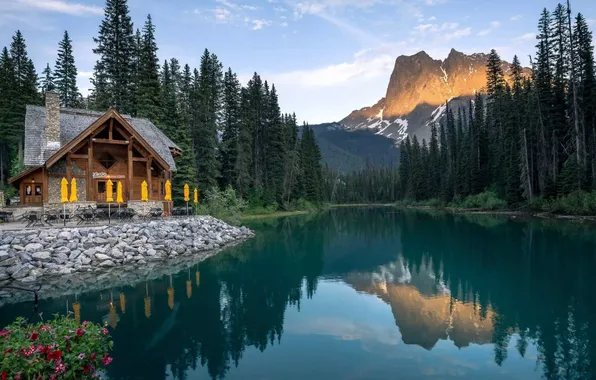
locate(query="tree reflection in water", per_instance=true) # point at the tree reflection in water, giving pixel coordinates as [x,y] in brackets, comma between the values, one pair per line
[470,279]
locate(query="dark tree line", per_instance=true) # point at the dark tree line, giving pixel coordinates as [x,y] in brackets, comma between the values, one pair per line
[231,135]
[524,136]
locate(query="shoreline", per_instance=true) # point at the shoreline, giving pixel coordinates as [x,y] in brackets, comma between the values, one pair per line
[276,214]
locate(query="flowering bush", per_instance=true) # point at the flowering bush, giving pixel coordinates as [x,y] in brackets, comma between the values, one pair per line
[56,349]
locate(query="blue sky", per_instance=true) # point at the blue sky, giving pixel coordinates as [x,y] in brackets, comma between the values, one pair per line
[326,57]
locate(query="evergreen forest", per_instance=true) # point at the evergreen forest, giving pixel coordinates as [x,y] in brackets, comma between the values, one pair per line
[523,140]
[232,135]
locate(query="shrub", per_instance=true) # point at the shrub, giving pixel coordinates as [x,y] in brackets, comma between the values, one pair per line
[55,349]
[577,202]
[224,204]
[487,200]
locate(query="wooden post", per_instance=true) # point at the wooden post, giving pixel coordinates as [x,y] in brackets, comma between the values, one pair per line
[89,186]
[149,177]
[44,185]
[111,129]
[130,162]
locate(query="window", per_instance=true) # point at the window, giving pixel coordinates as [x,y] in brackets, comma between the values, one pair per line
[101,187]
[106,160]
[28,190]
[37,189]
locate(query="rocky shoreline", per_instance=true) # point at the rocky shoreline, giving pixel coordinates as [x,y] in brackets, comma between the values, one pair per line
[35,257]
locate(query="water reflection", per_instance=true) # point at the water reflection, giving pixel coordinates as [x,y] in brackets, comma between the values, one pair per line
[454,285]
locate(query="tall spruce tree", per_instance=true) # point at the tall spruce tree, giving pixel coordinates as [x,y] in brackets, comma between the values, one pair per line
[47,80]
[231,128]
[113,74]
[148,94]
[65,75]
[276,149]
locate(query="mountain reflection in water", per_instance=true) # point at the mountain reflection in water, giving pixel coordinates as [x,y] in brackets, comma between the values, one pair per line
[362,293]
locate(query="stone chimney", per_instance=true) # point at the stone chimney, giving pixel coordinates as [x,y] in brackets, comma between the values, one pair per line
[52,120]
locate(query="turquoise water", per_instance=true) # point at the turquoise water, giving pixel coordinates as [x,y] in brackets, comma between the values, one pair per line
[363,294]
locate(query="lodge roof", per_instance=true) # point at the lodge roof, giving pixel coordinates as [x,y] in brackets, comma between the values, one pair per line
[73,122]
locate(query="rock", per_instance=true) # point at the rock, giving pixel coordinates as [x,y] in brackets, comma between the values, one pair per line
[33,247]
[29,279]
[8,262]
[100,241]
[41,256]
[85,260]
[60,258]
[107,263]
[21,271]
[74,255]
[102,257]
[66,235]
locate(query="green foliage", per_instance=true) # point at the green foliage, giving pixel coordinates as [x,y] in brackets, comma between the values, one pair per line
[487,200]
[65,75]
[59,348]
[223,204]
[576,203]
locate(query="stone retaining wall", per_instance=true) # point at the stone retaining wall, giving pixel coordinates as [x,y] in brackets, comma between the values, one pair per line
[28,255]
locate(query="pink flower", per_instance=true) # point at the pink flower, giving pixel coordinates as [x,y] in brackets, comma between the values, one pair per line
[4,333]
[107,359]
[66,338]
[44,328]
[85,323]
[60,367]
[104,331]
[81,356]
[34,336]
[80,331]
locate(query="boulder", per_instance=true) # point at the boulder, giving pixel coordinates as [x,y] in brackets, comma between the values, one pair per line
[41,256]
[33,247]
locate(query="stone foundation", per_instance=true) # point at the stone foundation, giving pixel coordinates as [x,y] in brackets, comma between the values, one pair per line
[141,207]
[28,255]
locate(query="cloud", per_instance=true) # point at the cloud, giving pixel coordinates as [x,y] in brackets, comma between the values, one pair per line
[260,24]
[515,17]
[422,29]
[457,34]
[525,37]
[493,25]
[222,15]
[284,24]
[60,6]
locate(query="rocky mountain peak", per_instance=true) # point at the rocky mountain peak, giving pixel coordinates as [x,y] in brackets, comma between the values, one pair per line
[418,88]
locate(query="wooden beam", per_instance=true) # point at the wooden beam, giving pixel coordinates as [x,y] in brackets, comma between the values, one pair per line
[111,128]
[149,177]
[75,156]
[130,162]
[44,185]
[108,141]
[89,186]
[139,159]
[68,166]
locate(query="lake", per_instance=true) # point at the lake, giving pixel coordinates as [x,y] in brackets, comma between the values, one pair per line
[363,293]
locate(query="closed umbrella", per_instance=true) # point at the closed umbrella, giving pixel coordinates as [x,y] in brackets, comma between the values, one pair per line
[186,196]
[73,190]
[109,198]
[168,191]
[119,196]
[196,199]
[144,192]
[64,196]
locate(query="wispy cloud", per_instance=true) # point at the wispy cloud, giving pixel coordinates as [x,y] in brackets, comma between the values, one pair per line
[222,15]
[422,29]
[60,6]
[493,25]
[515,17]
[525,37]
[260,24]
[457,34]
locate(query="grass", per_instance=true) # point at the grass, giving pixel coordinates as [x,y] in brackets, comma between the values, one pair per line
[275,214]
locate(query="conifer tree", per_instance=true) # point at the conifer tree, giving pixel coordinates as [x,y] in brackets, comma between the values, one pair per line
[65,75]
[276,148]
[231,128]
[47,80]
[113,74]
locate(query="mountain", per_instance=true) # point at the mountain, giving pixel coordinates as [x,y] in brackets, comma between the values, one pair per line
[416,96]
[346,150]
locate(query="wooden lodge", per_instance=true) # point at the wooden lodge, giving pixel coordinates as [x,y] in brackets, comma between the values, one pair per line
[92,147]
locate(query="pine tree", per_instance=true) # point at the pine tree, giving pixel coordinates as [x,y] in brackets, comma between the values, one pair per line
[47,81]
[205,130]
[148,94]
[310,166]
[113,76]
[275,148]
[9,115]
[65,75]
[231,128]
[244,153]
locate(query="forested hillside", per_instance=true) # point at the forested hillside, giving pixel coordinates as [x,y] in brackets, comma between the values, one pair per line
[528,141]
[231,134]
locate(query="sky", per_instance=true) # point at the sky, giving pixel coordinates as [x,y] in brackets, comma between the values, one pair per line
[325,57]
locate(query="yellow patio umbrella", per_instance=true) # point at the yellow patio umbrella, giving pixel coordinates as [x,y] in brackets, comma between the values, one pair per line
[109,191]
[144,192]
[109,198]
[186,196]
[73,190]
[64,190]
[64,196]
[196,196]
[119,194]
[168,188]
[123,302]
